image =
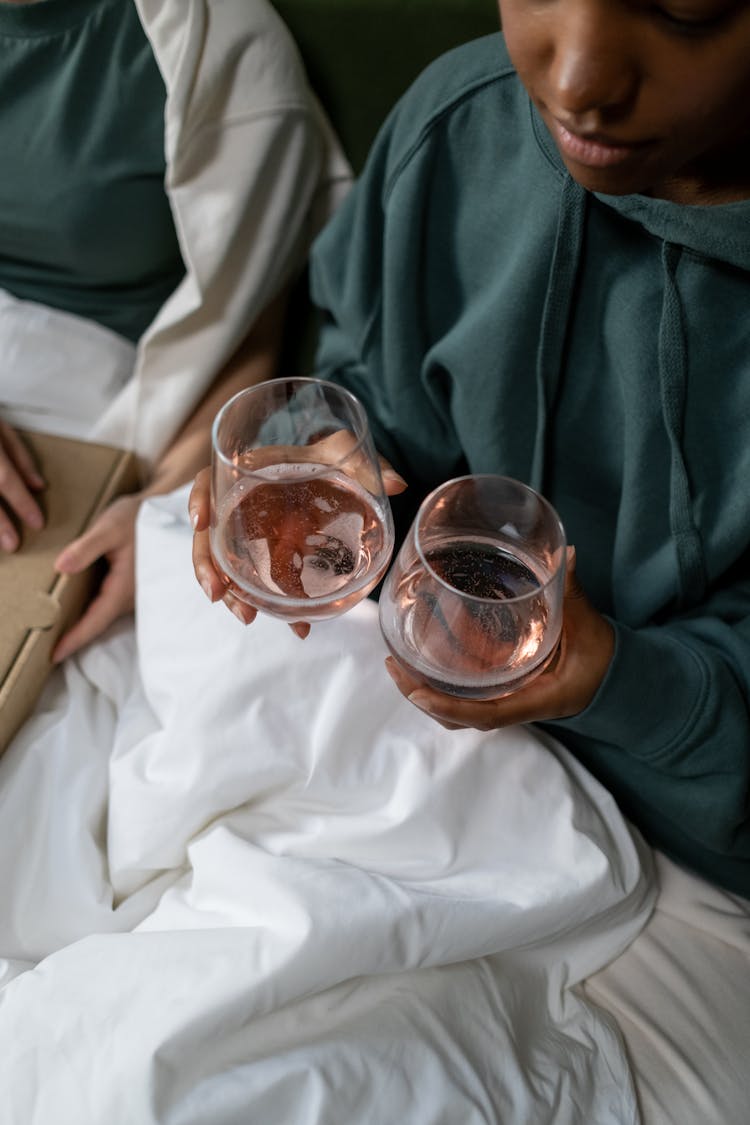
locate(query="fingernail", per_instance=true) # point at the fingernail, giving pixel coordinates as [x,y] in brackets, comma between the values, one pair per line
[417,698]
[206,588]
[8,541]
[237,611]
[35,519]
[396,674]
[194,519]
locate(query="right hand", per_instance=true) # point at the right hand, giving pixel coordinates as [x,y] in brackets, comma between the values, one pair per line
[19,478]
[203,564]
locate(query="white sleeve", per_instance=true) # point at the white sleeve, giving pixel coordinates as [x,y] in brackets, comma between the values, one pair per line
[253,169]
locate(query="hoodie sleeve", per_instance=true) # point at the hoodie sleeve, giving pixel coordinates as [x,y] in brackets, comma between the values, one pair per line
[669,733]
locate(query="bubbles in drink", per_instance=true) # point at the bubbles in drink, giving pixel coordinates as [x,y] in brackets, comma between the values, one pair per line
[302,532]
[468,645]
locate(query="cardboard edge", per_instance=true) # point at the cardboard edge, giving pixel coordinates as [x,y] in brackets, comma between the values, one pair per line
[31,665]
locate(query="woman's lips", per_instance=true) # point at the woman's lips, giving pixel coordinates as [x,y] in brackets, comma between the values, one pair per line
[592,151]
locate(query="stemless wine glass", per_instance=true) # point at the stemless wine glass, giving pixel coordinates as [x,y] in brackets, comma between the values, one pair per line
[300,526]
[472,605]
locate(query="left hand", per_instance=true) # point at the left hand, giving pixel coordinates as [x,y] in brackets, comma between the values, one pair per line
[111,537]
[565,688]
[330,449]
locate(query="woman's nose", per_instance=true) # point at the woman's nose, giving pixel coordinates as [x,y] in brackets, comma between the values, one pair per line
[593,70]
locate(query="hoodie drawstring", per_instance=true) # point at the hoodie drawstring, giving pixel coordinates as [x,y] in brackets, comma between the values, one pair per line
[672,382]
[672,361]
[556,316]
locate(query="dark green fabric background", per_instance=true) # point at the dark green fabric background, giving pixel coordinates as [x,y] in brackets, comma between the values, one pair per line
[362,54]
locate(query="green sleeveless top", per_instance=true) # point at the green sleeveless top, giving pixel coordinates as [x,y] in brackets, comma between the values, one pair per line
[85,224]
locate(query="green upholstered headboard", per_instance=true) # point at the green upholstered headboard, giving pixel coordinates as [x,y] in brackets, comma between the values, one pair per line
[362,54]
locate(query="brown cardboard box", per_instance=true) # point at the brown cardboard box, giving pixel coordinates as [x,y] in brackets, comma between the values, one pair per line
[36,603]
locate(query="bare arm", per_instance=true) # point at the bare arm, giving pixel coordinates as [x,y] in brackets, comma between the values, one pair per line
[112,536]
[254,361]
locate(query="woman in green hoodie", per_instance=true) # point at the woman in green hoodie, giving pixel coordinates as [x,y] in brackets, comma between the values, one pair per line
[543,272]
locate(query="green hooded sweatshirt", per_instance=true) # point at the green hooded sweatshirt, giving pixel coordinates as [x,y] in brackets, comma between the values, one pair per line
[493,316]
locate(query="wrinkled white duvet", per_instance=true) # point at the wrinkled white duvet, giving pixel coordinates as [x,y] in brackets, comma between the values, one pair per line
[244,882]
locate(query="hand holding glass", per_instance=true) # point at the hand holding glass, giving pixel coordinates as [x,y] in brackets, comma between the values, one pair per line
[473,603]
[300,526]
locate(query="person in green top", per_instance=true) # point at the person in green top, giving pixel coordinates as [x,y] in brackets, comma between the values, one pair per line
[143,142]
[544,272]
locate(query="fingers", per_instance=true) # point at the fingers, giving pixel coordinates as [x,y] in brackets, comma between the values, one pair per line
[533,703]
[405,683]
[199,500]
[113,532]
[205,571]
[203,564]
[247,613]
[213,585]
[18,452]
[115,598]
[424,698]
[241,610]
[573,589]
[95,620]
[332,449]
[79,554]
[210,580]
[112,536]
[339,450]
[566,686]
[18,478]
[340,447]
[393,482]
[454,713]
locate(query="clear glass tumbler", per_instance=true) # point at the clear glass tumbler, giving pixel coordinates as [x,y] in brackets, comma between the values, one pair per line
[472,605]
[300,527]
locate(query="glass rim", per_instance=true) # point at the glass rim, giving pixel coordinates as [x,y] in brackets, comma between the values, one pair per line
[428,502]
[308,380]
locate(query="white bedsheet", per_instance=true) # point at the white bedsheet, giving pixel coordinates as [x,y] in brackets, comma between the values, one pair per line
[58,372]
[243,880]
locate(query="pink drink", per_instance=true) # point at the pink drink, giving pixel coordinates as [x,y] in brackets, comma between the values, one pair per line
[478,646]
[300,541]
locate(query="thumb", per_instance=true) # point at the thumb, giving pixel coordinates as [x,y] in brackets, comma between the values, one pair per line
[573,589]
[78,554]
[113,530]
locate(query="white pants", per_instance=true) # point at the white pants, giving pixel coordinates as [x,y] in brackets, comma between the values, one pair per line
[681,997]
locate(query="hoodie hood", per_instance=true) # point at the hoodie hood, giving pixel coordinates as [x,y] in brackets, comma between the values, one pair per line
[720,232]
